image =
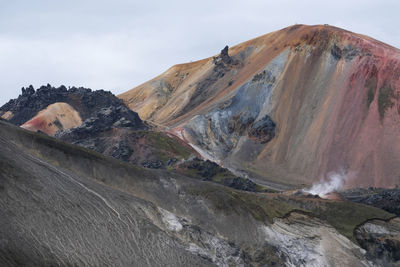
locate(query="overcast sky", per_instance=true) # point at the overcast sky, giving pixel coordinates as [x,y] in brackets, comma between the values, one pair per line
[119,44]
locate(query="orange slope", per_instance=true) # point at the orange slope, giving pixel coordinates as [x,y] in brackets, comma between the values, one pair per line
[57,116]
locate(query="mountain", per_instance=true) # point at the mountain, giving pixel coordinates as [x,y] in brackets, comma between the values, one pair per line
[85,181]
[64,205]
[289,107]
[97,120]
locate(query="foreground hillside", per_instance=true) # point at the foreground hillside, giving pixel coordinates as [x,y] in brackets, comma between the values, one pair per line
[65,205]
[289,107]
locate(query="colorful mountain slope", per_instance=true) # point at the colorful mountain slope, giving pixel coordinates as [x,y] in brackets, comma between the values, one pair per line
[56,117]
[289,107]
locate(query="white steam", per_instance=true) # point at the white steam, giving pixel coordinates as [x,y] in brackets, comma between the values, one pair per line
[334,183]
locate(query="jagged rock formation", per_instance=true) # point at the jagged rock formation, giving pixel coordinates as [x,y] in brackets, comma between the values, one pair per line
[104,120]
[63,205]
[210,171]
[85,101]
[287,107]
[381,240]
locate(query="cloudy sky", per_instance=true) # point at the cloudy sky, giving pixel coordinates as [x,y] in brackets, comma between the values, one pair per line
[119,44]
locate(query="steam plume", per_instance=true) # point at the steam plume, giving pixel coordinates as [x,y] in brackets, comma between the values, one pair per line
[335,182]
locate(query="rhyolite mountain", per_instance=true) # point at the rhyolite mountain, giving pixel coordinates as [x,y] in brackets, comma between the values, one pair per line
[289,106]
[63,205]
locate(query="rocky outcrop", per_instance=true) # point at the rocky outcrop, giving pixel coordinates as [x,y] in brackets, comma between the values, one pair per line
[386,199]
[31,101]
[310,242]
[240,183]
[207,170]
[222,64]
[381,240]
[122,151]
[348,52]
[223,58]
[155,164]
[263,129]
[118,137]
[103,120]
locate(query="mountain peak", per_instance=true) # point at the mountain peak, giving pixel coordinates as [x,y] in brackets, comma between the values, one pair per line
[331,95]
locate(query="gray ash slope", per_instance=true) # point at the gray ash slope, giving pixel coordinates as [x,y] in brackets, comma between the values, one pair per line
[62,205]
[53,217]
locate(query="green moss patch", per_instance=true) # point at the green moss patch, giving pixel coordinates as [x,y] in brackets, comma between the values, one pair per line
[168,146]
[227,200]
[344,216]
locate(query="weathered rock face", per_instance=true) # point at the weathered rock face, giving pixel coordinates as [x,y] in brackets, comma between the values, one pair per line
[118,132]
[103,120]
[83,100]
[263,130]
[134,143]
[331,96]
[210,171]
[309,242]
[63,205]
[223,59]
[381,240]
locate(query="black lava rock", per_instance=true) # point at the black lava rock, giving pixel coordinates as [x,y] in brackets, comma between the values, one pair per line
[121,151]
[240,184]
[263,130]
[84,100]
[103,120]
[156,164]
[386,199]
[336,52]
[171,161]
[206,169]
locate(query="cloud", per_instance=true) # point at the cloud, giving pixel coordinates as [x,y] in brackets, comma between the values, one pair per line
[117,45]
